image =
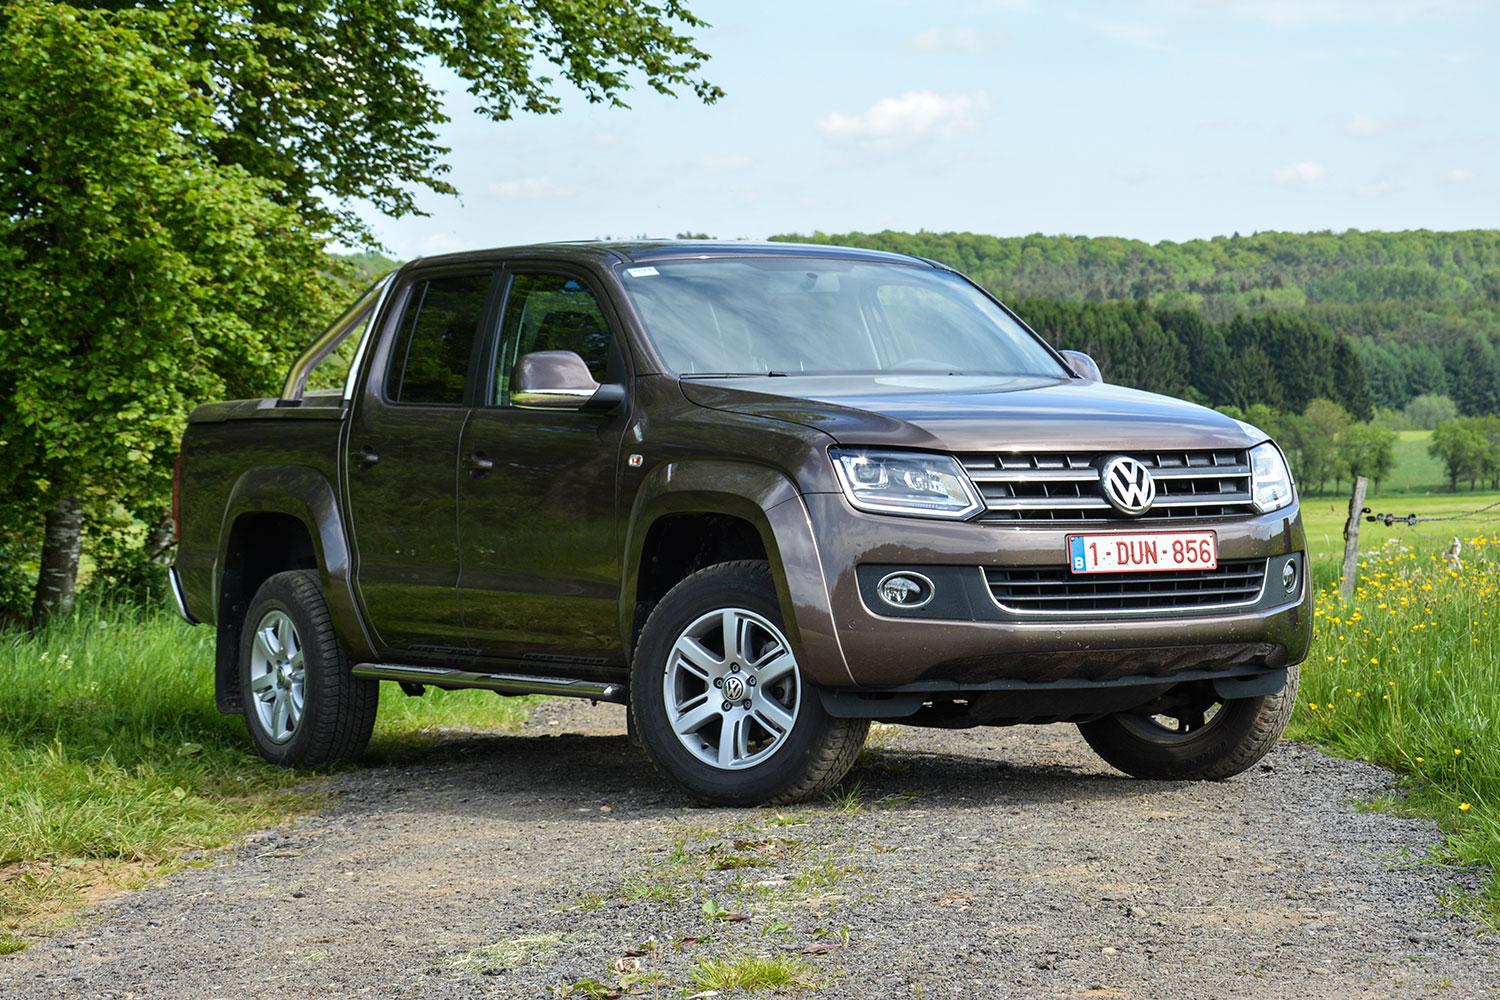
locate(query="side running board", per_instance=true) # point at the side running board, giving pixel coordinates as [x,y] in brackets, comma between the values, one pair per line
[446,677]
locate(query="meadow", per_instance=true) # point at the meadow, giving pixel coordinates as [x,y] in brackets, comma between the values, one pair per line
[115,766]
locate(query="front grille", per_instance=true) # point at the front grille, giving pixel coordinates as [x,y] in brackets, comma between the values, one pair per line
[1046,590]
[1064,486]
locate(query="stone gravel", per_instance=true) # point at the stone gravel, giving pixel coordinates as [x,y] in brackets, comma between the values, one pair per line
[986,863]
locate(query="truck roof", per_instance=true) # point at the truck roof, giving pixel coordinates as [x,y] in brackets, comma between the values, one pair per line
[641,251]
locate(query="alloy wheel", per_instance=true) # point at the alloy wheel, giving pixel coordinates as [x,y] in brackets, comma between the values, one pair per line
[277,676]
[732,688]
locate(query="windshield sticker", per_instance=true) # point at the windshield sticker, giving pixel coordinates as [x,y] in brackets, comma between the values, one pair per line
[640,272]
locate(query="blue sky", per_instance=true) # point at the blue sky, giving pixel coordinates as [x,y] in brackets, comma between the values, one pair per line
[1155,119]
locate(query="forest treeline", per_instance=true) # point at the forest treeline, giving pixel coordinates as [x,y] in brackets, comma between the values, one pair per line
[1387,316]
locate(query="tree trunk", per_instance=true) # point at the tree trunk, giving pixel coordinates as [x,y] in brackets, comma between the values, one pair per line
[159,543]
[60,547]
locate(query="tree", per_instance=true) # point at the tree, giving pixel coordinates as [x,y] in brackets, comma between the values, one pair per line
[1368,450]
[1318,442]
[136,274]
[332,99]
[1428,410]
[1461,448]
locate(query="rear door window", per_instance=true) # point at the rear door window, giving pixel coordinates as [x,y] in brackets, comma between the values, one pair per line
[435,341]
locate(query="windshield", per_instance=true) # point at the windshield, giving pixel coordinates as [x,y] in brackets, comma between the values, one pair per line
[786,315]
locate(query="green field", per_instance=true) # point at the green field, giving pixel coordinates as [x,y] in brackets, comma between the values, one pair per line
[1324,518]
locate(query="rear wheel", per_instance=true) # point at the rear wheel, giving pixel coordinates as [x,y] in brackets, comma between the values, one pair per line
[302,705]
[719,701]
[1198,737]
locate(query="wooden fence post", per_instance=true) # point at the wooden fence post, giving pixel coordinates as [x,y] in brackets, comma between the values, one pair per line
[1351,538]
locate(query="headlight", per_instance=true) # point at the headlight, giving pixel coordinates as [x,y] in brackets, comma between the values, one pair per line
[1270,480]
[905,482]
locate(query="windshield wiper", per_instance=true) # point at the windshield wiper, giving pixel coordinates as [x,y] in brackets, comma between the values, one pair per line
[734,375]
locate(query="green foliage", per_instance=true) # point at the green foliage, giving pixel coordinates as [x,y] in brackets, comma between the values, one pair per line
[1126,339]
[1428,410]
[1410,313]
[1367,450]
[333,102]
[1469,448]
[137,276]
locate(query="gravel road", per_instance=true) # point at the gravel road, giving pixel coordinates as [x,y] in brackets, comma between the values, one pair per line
[988,863]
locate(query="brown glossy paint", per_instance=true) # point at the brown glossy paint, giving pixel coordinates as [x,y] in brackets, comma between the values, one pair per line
[536,559]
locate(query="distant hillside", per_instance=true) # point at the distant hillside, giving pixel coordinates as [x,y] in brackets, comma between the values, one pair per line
[1421,308]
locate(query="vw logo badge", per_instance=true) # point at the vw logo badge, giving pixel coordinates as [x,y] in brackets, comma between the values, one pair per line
[734,688]
[1128,485]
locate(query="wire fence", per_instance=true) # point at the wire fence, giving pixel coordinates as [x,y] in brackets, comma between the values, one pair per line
[1485,513]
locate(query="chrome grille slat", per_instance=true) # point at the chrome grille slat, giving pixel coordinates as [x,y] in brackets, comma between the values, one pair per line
[1055,590]
[1064,486]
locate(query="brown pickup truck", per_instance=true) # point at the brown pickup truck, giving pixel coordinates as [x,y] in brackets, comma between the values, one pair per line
[762,494]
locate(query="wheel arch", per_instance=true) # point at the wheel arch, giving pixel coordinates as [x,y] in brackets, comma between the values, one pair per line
[691,514]
[279,518]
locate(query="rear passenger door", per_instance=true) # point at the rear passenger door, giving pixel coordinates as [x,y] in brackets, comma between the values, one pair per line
[401,460]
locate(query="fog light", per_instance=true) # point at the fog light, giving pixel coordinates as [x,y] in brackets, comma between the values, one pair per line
[1289,575]
[905,590]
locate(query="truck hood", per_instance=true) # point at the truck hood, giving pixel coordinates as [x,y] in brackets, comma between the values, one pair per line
[975,413]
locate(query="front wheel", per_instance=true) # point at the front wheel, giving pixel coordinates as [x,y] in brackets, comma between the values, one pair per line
[720,703]
[1197,737]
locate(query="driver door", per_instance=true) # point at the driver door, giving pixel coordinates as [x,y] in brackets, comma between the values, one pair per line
[539,551]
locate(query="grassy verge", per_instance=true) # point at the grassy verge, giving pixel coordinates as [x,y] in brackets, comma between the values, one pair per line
[1407,675]
[114,764]
[1324,519]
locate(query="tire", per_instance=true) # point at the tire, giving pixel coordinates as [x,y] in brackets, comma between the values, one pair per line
[326,715]
[1239,734]
[784,747]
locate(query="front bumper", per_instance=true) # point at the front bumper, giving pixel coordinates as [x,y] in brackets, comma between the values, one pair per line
[852,646]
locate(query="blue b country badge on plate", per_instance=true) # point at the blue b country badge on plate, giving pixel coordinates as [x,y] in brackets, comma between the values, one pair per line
[1075,554]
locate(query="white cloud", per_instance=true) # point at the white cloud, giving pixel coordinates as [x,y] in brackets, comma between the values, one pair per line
[956,40]
[1306,172]
[1460,175]
[727,163]
[1366,125]
[530,189]
[914,115]
[1292,13]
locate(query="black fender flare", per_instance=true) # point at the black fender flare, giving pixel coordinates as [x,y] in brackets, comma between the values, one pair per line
[767,499]
[306,495]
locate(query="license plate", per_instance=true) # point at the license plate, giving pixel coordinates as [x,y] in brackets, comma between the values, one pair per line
[1142,552]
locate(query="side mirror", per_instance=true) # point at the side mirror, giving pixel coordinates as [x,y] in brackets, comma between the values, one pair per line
[559,380]
[1083,366]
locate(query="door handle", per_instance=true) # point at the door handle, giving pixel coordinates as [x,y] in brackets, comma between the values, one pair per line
[478,464]
[368,458]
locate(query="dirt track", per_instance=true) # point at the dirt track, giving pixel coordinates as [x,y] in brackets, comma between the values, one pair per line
[986,863]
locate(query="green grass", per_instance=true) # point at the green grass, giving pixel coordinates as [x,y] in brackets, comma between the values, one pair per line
[1416,470]
[754,973]
[1324,519]
[114,762]
[1407,675]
